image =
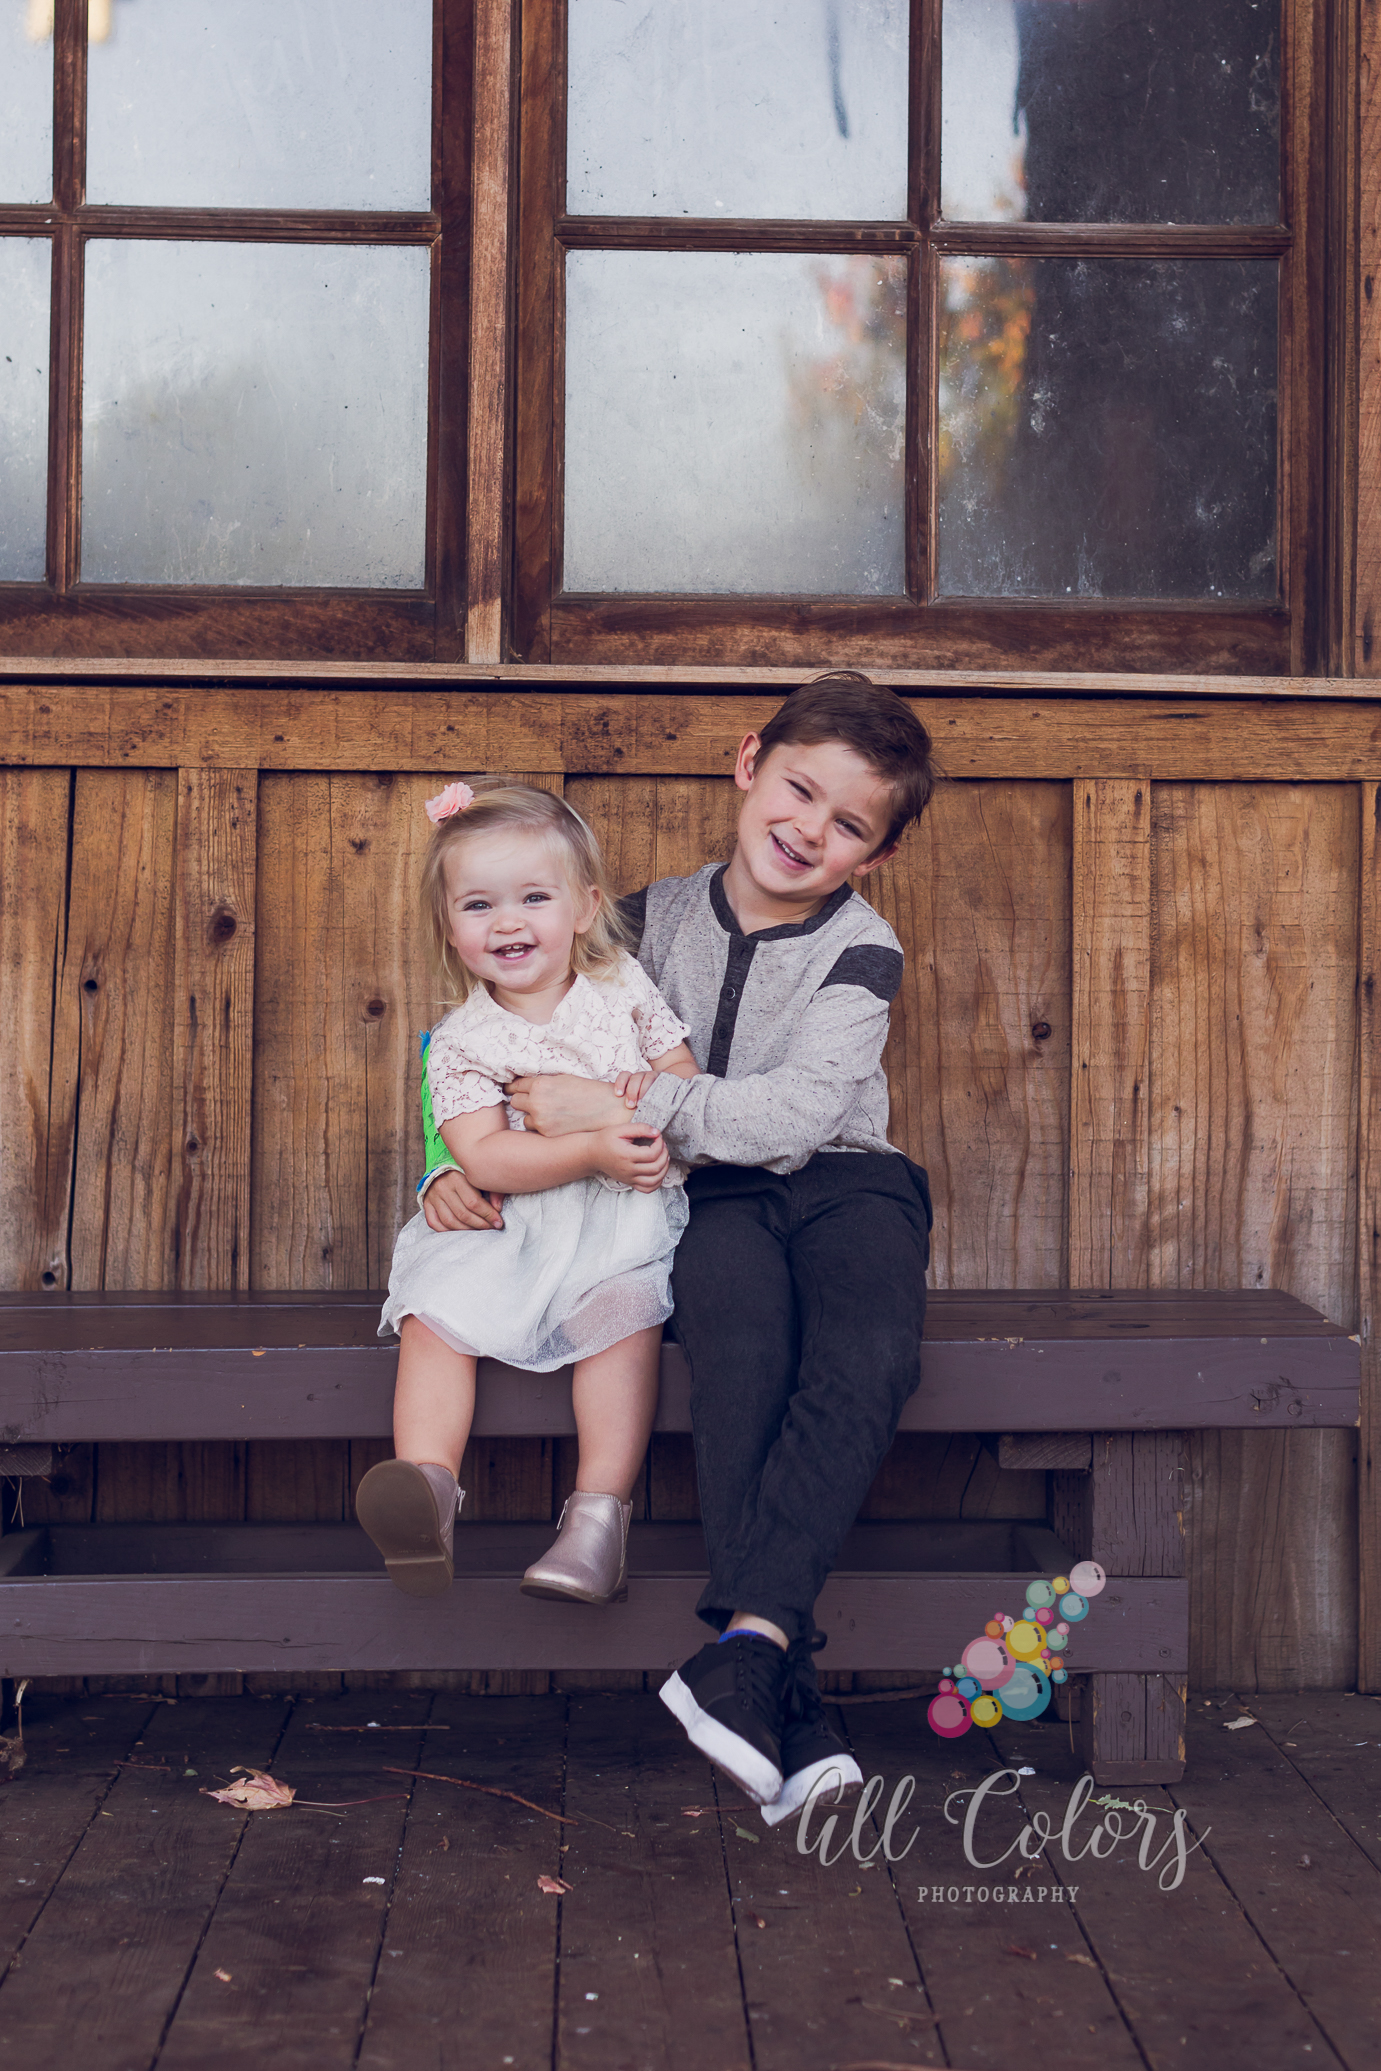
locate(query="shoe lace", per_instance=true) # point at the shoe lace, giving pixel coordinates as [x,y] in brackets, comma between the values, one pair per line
[801,1695]
[758,1667]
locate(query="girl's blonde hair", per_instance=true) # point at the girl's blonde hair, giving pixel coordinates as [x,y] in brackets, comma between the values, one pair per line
[500,803]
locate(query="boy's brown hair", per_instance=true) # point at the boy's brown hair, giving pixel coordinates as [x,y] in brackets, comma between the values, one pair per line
[881,728]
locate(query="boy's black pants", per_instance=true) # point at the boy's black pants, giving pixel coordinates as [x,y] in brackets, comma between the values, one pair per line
[800,1301]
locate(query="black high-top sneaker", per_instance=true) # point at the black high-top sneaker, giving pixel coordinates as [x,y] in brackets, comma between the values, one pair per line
[729,1699]
[812,1752]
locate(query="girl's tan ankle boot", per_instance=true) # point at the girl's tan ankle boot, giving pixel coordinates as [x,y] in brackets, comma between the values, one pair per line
[589,1562]
[410,1512]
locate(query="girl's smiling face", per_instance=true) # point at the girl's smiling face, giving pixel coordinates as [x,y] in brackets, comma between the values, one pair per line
[512,915]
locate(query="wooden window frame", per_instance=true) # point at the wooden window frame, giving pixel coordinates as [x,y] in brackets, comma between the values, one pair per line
[1289,636]
[62,615]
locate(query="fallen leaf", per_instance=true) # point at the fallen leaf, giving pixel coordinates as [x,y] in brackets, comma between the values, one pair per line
[757,1920]
[693,1812]
[1015,1949]
[225,1976]
[1236,1725]
[255,1792]
[1087,1961]
[744,1835]
[553,1886]
[857,1891]
[443,1844]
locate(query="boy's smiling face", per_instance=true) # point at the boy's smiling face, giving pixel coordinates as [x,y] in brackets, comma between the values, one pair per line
[814,814]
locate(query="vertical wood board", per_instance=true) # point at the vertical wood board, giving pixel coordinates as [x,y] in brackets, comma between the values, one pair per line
[978,1061]
[1369,1244]
[35,1168]
[1109,1140]
[116,1017]
[213,1041]
[1252,1183]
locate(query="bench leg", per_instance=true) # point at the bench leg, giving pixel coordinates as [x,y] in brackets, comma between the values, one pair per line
[1131,1729]
[1127,1513]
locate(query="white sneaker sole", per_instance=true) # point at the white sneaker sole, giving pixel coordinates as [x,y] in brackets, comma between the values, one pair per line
[751,1771]
[843,1774]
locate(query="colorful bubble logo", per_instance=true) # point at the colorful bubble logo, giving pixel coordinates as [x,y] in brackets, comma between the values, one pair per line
[1027,1694]
[1024,1640]
[1021,1656]
[949,1715]
[988,1663]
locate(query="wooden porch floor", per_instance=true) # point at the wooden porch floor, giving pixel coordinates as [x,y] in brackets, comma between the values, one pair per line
[141,1924]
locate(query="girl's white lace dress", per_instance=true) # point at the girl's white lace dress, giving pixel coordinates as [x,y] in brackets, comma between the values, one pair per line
[578,1267]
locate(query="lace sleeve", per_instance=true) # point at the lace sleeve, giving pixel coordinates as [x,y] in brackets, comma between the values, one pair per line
[658,1028]
[457,1087]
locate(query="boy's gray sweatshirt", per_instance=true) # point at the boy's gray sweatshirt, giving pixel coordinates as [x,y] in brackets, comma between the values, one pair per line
[787,1025]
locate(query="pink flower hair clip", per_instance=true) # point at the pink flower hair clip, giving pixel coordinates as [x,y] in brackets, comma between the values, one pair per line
[454,799]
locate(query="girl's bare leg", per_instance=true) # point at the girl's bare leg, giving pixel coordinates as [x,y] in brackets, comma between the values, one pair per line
[614,1395]
[434,1399]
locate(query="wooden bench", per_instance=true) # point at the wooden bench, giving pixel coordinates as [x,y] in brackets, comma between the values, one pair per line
[1098,1389]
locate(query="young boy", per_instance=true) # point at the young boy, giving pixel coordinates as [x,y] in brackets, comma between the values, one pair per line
[800,1281]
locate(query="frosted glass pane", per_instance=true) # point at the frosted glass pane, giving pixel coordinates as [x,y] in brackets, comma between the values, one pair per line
[1107,428]
[1111,111]
[735,422]
[791,108]
[26,102]
[255,413]
[25,271]
[309,104]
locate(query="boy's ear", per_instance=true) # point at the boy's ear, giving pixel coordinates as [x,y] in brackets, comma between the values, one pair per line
[876,862]
[748,750]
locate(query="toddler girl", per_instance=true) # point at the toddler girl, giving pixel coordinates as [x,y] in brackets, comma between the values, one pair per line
[522,933]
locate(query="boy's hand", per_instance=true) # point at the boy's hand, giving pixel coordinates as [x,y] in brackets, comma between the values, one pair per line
[560,1104]
[451,1203]
[630,1154]
[633,1084]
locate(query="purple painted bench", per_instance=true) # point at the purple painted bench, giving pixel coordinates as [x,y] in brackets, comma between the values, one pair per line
[1098,1389]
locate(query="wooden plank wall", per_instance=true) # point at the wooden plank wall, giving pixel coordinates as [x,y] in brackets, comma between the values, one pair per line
[1128,1050]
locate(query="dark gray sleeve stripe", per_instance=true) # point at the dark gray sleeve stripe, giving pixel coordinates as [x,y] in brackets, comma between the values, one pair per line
[875,969]
[632,912]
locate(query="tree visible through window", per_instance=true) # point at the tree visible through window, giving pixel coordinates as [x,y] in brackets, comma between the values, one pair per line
[933,310]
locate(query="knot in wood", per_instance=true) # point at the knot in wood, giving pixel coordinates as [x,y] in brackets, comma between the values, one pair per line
[223,925]
[1040,1030]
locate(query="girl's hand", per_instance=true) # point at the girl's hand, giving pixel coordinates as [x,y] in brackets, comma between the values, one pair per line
[633,1084]
[451,1203]
[630,1154]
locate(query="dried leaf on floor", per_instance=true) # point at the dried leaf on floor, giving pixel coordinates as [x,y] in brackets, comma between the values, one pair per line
[757,1920]
[554,1887]
[744,1835]
[1072,1956]
[1015,1949]
[225,1976]
[694,1812]
[254,1792]
[1236,1725]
